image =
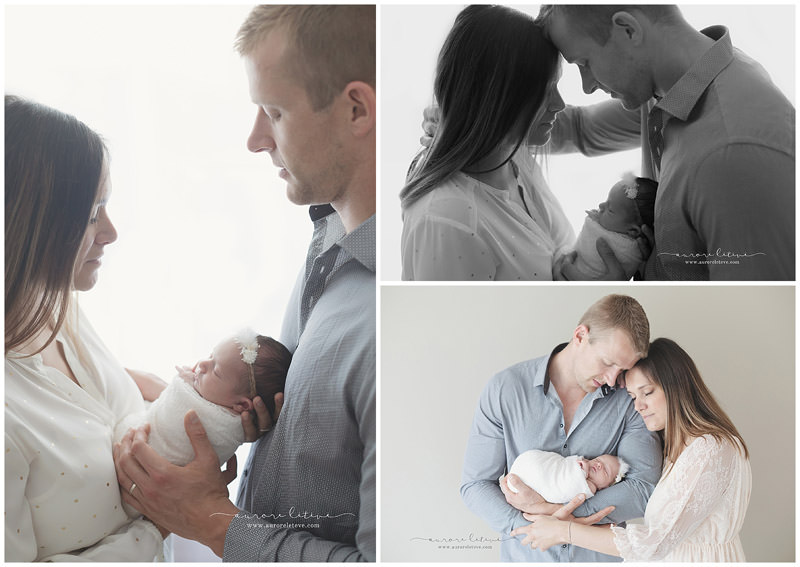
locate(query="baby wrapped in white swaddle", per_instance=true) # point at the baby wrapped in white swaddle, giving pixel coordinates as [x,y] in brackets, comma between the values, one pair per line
[167,434]
[618,220]
[559,479]
[219,389]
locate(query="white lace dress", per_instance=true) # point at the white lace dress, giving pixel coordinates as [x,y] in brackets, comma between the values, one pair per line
[696,511]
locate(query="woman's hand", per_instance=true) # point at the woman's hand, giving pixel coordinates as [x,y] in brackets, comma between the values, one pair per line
[149,384]
[546,531]
[543,532]
[264,420]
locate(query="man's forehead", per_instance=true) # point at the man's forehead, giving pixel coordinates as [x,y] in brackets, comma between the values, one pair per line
[567,38]
[618,346]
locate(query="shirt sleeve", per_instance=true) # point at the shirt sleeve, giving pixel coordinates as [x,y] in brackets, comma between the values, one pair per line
[134,541]
[641,449]
[253,539]
[440,249]
[484,462]
[699,479]
[596,129]
[743,203]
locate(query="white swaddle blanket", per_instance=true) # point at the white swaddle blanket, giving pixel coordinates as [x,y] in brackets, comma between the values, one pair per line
[167,433]
[558,479]
[589,262]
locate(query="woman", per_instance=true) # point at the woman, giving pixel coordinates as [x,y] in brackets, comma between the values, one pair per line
[64,391]
[475,206]
[697,509]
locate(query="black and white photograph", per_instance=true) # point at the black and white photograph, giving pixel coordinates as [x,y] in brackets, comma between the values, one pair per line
[528,411]
[588,143]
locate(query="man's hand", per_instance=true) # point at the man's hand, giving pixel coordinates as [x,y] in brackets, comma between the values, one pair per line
[613,267]
[191,501]
[148,383]
[546,531]
[431,117]
[265,421]
[527,499]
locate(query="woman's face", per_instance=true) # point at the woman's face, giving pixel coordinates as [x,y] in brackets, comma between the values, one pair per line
[539,133]
[99,233]
[648,399]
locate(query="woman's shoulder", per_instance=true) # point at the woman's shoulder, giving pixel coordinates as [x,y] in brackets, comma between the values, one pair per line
[452,202]
[708,446]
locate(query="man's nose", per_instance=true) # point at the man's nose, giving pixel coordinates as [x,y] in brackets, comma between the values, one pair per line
[588,81]
[260,139]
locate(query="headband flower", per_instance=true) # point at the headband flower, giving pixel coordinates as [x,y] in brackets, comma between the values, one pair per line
[631,187]
[247,339]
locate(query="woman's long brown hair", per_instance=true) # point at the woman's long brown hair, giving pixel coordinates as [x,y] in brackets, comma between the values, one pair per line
[692,410]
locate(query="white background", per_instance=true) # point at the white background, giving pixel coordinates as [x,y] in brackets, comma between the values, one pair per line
[411,37]
[442,344]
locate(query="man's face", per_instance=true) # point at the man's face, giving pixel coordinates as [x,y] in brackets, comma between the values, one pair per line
[305,144]
[600,361]
[613,68]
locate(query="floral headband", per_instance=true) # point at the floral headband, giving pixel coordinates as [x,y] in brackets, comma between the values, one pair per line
[247,339]
[623,470]
[631,187]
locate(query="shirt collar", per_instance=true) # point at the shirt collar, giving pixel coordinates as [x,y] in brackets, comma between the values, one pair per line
[681,99]
[543,379]
[360,243]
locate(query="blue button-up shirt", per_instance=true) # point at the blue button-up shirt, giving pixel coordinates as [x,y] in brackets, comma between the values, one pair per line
[518,411]
[308,489]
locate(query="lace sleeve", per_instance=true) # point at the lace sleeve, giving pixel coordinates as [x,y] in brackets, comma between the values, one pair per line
[682,501]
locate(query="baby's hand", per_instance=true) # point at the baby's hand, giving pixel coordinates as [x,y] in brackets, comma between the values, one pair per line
[186,374]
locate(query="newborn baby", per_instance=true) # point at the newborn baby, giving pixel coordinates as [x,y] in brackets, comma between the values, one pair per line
[219,389]
[559,479]
[618,220]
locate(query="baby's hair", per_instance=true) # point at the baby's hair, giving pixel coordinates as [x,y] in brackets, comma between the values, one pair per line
[643,193]
[270,369]
[623,470]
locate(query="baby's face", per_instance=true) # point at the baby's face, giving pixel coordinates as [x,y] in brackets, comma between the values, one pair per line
[219,377]
[601,471]
[617,213]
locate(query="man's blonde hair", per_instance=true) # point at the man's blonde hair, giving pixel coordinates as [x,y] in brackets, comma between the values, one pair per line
[618,312]
[328,46]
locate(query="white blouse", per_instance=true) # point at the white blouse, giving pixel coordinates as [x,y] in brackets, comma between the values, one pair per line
[696,511]
[62,499]
[467,230]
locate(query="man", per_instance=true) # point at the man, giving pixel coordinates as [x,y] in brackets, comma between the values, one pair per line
[308,489]
[564,403]
[715,133]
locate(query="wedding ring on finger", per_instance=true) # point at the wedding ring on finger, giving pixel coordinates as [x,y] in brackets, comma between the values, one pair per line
[133,486]
[264,430]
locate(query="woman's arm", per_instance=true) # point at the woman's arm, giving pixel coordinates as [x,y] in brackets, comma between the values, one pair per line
[546,531]
[148,383]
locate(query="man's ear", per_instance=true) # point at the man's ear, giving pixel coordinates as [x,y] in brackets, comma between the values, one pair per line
[244,404]
[626,26]
[361,100]
[581,333]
